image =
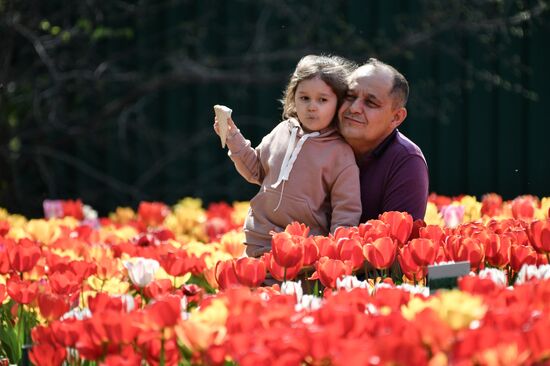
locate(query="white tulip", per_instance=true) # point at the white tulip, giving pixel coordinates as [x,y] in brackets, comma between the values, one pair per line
[142,270]
[350,282]
[496,275]
[293,288]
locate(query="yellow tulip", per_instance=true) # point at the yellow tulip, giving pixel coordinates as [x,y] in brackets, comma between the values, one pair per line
[472,208]
[456,308]
[16,220]
[432,216]
[122,215]
[113,285]
[233,243]
[459,309]
[42,230]
[439,359]
[240,212]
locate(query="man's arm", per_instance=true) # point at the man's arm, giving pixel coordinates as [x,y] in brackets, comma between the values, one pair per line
[407,188]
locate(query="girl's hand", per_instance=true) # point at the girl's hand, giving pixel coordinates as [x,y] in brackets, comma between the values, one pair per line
[232,128]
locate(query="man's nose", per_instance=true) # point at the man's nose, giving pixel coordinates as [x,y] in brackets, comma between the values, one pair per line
[355,106]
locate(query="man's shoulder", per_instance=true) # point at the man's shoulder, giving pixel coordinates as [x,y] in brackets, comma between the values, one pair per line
[403,146]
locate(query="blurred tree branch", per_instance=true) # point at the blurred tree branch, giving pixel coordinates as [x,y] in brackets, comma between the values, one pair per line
[84,82]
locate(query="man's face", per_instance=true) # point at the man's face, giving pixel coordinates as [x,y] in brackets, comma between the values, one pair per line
[367,115]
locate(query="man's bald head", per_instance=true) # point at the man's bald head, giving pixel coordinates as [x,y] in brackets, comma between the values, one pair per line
[400,86]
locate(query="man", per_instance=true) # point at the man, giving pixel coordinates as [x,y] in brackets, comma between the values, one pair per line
[393,171]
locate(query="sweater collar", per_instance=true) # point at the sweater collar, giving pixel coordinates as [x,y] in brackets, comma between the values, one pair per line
[384,144]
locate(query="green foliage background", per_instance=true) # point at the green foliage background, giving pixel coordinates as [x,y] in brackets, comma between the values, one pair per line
[111,101]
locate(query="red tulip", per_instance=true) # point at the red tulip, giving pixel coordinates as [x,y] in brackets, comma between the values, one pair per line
[423,251]
[523,207]
[128,357]
[491,204]
[2,293]
[66,332]
[21,291]
[417,225]
[497,250]
[47,354]
[52,306]
[401,225]
[24,255]
[277,271]
[373,229]
[164,312]
[408,266]
[103,302]
[4,227]
[344,232]
[351,250]
[329,270]
[250,271]
[152,213]
[179,263]
[5,244]
[287,250]
[295,228]
[327,247]
[539,235]
[381,253]
[433,232]
[465,249]
[158,288]
[83,269]
[520,255]
[64,282]
[225,274]
[73,208]
[311,251]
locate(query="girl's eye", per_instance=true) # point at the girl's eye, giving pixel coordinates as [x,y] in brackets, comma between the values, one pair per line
[323,100]
[304,98]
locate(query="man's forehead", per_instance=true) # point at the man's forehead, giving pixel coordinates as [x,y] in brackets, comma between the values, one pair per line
[377,80]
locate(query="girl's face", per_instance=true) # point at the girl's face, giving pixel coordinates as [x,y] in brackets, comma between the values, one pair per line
[315,104]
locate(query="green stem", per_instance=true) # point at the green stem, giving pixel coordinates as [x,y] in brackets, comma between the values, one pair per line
[284,275]
[316,288]
[162,350]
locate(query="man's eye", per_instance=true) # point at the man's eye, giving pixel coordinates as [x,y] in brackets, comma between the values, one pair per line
[349,97]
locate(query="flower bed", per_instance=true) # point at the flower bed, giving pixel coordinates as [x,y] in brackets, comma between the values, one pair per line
[170,286]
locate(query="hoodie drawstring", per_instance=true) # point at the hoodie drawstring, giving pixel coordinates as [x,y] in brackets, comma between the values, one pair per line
[289,159]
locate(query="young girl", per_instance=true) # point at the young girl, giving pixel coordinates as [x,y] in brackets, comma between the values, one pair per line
[306,171]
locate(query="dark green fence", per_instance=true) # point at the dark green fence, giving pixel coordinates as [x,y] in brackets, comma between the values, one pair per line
[133,119]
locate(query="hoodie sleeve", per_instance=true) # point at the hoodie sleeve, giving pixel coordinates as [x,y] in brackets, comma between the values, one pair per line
[247,160]
[345,197]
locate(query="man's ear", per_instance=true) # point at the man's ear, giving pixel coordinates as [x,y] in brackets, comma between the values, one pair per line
[399,116]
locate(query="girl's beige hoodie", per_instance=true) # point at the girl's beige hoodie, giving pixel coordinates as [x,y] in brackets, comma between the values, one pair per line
[310,178]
